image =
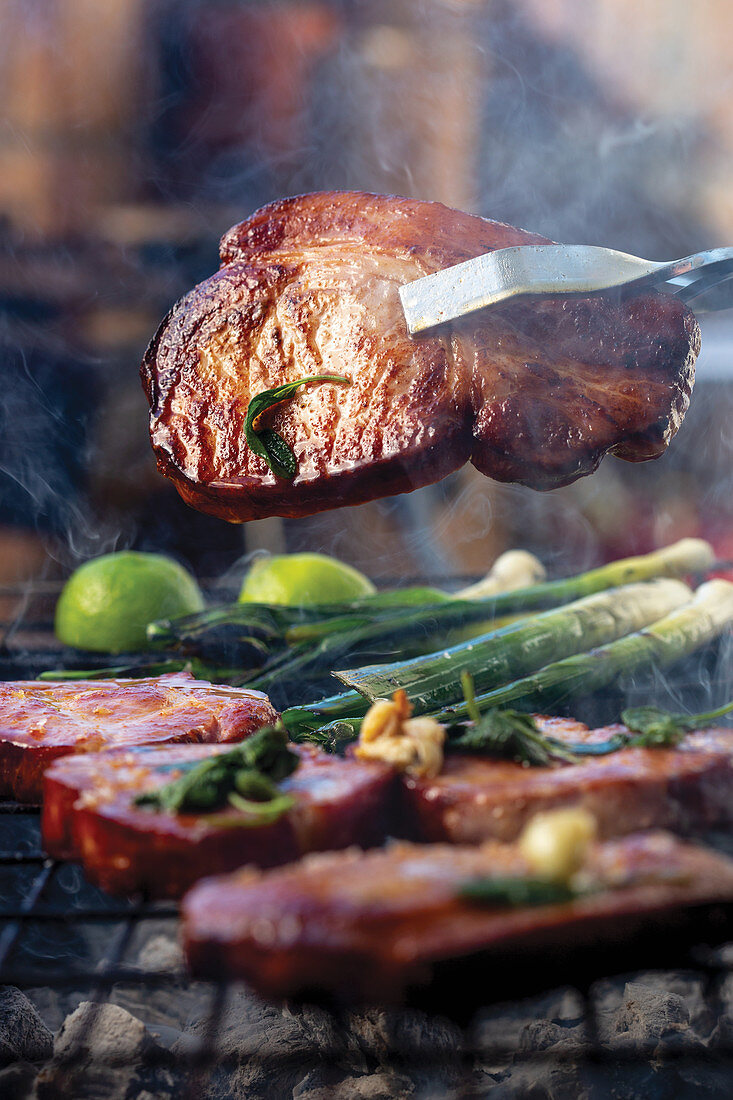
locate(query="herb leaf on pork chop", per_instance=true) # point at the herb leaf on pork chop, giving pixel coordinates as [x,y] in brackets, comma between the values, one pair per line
[653,726]
[266,442]
[246,778]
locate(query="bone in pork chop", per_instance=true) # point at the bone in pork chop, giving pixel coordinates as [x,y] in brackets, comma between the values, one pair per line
[535,392]
[364,926]
[475,798]
[41,721]
[90,814]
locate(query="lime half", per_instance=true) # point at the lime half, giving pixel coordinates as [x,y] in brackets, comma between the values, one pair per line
[107,603]
[300,580]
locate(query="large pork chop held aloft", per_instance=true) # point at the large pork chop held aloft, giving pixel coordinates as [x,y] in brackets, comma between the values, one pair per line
[535,392]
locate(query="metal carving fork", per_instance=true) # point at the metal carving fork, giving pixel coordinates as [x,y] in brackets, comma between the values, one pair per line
[703,281]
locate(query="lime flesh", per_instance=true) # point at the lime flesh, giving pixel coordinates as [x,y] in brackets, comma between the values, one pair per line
[301,580]
[108,602]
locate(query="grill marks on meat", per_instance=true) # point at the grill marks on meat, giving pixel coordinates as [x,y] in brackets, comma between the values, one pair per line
[535,392]
[42,721]
[89,814]
[477,798]
[364,926]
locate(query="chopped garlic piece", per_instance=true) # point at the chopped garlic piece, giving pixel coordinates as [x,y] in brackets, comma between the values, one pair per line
[412,745]
[555,843]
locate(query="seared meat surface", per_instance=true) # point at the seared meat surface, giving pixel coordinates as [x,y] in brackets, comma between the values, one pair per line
[535,392]
[476,798]
[363,926]
[41,721]
[89,814]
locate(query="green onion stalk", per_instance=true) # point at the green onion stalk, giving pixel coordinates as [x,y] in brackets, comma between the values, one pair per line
[201,671]
[497,658]
[331,632]
[707,616]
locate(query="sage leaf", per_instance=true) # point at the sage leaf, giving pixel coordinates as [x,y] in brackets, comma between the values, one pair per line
[656,727]
[266,442]
[508,734]
[249,772]
[516,892]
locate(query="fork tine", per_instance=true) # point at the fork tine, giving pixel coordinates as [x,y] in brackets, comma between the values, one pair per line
[709,293]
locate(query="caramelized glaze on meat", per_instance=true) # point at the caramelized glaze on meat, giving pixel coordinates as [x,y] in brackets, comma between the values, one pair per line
[41,721]
[476,798]
[363,926]
[535,392]
[89,813]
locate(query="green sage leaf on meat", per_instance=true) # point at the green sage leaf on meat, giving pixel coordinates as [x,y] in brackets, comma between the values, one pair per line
[516,892]
[265,813]
[654,727]
[246,777]
[511,735]
[508,734]
[266,442]
[268,752]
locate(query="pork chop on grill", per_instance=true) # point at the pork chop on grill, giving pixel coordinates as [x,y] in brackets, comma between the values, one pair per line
[535,392]
[41,721]
[364,926]
[475,798]
[89,813]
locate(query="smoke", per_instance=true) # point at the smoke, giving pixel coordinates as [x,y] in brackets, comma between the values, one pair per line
[477,105]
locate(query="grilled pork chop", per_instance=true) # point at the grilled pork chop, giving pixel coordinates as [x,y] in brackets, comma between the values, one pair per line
[364,926]
[89,814]
[476,798]
[535,392]
[41,721]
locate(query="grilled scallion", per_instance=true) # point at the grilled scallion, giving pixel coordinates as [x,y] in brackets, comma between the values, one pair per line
[501,656]
[707,615]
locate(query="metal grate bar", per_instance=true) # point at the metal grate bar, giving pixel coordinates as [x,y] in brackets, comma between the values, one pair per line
[73,977]
[12,859]
[72,916]
[10,934]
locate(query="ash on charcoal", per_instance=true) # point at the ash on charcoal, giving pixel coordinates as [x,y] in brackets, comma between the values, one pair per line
[726,994]
[649,1015]
[269,1049]
[372,1086]
[542,1035]
[722,1035]
[426,1048]
[499,1030]
[388,1033]
[23,1034]
[277,1050]
[653,1008]
[161,952]
[546,1081]
[103,1051]
[561,1038]
[155,947]
[103,1033]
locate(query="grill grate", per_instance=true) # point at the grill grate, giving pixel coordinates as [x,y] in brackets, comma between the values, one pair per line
[96,980]
[43,903]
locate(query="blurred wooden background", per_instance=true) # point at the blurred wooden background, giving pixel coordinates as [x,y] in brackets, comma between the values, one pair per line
[135,132]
